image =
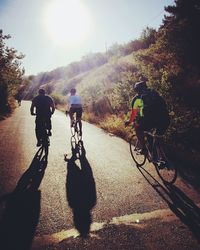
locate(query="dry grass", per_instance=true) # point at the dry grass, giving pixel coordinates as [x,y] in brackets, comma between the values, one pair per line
[115,125]
[91,118]
[111,123]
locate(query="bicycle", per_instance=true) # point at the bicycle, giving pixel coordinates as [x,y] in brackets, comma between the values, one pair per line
[155,153]
[76,138]
[42,131]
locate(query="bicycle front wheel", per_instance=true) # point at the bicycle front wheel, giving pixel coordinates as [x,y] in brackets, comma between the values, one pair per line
[138,158]
[164,167]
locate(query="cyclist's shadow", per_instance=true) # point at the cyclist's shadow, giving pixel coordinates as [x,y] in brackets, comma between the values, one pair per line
[80,190]
[179,203]
[21,208]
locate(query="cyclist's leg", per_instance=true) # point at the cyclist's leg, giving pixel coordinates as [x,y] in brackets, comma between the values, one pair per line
[139,130]
[48,124]
[71,115]
[38,129]
[79,112]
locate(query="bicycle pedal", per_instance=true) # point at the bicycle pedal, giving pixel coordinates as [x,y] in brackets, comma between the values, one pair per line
[161,164]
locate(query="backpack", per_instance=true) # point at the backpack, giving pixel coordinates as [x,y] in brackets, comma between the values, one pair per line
[155,110]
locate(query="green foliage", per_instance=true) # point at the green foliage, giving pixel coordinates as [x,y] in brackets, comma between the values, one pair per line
[58,99]
[10,74]
[115,125]
[170,66]
[182,31]
[123,89]
[168,58]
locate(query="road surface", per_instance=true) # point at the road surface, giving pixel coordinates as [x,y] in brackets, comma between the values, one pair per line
[49,204]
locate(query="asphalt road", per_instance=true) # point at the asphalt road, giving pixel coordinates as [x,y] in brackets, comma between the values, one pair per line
[48,205]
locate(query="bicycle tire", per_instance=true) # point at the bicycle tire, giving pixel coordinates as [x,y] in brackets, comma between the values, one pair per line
[73,130]
[165,169]
[45,143]
[81,150]
[138,158]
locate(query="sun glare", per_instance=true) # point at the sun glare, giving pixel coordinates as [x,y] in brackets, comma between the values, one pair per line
[67,21]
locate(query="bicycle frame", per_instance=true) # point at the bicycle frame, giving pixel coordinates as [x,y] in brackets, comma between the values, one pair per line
[76,138]
[75,129]
[155,154]
[44,136]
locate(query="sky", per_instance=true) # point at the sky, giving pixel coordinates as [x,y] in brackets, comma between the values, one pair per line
[54,33]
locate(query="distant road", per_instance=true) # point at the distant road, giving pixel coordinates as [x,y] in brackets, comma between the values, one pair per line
[124,208]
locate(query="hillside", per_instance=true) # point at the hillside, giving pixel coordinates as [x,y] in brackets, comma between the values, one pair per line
[169,58]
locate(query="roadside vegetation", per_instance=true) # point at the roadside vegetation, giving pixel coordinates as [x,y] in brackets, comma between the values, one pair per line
[169,58]
[10,76]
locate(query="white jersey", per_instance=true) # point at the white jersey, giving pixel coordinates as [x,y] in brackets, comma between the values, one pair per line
[74,100]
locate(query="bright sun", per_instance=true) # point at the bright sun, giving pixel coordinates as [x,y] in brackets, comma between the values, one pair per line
[67,21]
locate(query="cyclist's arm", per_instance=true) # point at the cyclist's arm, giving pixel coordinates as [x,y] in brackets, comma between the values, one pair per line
[133,115]
[134,110]
[32,108]
[52,107]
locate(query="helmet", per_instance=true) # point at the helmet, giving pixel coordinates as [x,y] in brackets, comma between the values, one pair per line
[73,91]
[140,86]
[41,91]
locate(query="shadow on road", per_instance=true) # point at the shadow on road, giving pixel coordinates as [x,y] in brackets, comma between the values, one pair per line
[20,209]
[80,190]
[179,203]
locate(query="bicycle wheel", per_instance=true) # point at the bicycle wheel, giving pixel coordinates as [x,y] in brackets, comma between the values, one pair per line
[73,142]
[138,158]
[73,131]
[45,142]
[81,150]
[165,169]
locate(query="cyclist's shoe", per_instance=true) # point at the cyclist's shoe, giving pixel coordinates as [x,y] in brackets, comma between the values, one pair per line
[49,133]
[161,164]
[39,143]
[142,151]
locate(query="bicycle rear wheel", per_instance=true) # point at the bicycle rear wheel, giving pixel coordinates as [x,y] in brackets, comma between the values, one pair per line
[138,158]
[164,167]
[45,143]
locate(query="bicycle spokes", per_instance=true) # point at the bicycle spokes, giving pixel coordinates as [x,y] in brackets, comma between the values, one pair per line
[75,130]
[165,169]
[138,158]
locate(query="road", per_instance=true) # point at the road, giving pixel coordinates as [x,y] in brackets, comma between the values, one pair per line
[121,206]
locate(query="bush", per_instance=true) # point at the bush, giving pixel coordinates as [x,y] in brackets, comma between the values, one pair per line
[58,99]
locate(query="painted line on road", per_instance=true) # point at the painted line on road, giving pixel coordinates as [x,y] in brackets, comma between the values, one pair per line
[136,220]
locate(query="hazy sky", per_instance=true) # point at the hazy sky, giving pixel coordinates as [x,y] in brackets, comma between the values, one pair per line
[53,33]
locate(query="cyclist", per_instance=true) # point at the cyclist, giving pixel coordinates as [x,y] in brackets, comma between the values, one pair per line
[75,107]
[43,107]
[148,111]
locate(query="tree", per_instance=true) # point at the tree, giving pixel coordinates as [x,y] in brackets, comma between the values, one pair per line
[172,64]
[182,30]
[10,73]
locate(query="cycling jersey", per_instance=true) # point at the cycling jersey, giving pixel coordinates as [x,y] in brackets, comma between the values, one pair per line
[43,105]
[75,101]
[137,106]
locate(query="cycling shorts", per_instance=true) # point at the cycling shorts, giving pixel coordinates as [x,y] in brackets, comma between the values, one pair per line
[77,111]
